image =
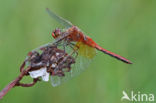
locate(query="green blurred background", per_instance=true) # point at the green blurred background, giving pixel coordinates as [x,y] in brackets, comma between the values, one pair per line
[126,27]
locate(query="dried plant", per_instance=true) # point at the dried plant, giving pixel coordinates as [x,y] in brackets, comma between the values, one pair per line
[48,60]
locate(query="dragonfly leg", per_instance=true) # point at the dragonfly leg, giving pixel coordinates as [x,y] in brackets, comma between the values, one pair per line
[72,45]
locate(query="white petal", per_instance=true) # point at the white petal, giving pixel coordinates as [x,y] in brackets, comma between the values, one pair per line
[40,73]
[45,77]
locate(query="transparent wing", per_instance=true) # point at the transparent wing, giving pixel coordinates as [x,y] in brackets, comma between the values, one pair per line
[59,19]
[83,59]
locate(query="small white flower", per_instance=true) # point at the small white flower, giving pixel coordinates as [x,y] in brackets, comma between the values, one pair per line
[40,73]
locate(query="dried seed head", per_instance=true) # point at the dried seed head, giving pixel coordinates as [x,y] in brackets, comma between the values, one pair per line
[51,60]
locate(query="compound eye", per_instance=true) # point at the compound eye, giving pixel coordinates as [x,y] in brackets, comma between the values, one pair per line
[53,35]
[56,33]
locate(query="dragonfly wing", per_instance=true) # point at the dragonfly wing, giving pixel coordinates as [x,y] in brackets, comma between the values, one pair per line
[59,19]
[81,64]
[84,58]
[56,80]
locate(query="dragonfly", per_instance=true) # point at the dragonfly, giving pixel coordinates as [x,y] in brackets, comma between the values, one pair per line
[74,34]
[73,39]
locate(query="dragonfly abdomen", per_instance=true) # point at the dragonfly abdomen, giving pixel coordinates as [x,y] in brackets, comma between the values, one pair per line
[113,55]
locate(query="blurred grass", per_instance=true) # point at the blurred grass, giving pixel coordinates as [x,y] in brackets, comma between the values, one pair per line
[126,27]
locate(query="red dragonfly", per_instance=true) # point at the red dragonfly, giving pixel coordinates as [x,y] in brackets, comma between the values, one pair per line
[73,39]
[74,34]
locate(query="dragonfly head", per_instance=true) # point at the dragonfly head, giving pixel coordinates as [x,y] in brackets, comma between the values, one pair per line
[56,33]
